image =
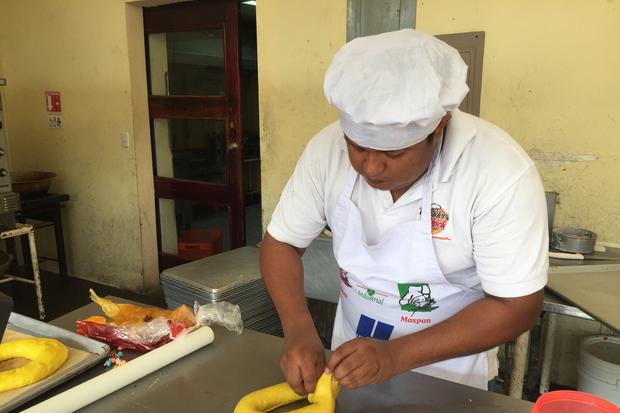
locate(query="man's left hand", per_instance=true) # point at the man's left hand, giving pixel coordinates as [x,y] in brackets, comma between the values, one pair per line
[363,361]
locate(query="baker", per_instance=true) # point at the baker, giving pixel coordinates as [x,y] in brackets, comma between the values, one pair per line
[438,219]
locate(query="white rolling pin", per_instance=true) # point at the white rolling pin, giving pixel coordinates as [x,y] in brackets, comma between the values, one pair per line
[110,381]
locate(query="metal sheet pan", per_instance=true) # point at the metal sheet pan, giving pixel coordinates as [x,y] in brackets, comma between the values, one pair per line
[30,326]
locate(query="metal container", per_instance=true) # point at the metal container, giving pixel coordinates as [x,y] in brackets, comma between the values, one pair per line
[552,199]
[575,240]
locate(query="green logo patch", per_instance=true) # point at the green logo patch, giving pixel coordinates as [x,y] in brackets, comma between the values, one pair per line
[416,298]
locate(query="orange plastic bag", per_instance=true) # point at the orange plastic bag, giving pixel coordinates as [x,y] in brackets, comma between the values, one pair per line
[130,313]
[136,327]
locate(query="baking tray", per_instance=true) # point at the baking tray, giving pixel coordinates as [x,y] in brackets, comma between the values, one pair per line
[27,325]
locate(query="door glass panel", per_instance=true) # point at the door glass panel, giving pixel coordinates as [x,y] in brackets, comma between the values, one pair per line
[191,230]
[187,63]
[193,149]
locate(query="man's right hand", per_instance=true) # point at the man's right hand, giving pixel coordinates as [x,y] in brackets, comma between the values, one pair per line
[303,359]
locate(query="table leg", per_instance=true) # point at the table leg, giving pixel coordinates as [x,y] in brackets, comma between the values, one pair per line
[36,275]
[26,254]
[519,364]
[545,373]
[60,243]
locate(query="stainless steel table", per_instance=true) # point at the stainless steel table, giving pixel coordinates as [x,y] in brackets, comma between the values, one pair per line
[594,292]
[214,378]
[585,289]
[556,305]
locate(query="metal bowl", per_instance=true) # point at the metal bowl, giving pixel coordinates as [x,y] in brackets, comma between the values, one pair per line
[575,240]
[32,182]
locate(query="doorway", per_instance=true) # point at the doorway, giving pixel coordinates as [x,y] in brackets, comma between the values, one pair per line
[203,109]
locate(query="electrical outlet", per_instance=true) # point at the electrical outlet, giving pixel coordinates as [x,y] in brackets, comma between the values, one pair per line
[125,140]
[54,121]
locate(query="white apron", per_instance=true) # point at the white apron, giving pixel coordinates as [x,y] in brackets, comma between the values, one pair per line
[396,287]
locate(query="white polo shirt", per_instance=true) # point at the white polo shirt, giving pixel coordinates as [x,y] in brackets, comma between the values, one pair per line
[489,210]
[489,213]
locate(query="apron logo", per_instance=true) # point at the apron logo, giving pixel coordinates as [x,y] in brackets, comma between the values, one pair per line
[439,219]
[371,295]
[416,298]
[369,327]
[344,277]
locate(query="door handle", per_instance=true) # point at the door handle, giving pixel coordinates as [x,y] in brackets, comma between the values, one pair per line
[233,146]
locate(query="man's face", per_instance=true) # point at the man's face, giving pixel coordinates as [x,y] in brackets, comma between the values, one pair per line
[394,170]
[391,170]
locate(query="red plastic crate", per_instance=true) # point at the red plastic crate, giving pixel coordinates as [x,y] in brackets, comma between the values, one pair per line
[200,243]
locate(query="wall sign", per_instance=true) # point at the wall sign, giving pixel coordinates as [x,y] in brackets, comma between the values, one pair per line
[54,109]
[52,101]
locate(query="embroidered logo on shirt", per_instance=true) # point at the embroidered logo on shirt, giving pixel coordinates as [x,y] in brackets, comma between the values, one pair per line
[439,219]
[369,327]
[416,298]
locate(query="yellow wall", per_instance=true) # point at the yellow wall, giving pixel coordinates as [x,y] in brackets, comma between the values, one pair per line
[550,78]
[296,40]
[84,50]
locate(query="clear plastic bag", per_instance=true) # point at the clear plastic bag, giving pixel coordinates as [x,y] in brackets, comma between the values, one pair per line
[141,336]
[222,313]
[130,326]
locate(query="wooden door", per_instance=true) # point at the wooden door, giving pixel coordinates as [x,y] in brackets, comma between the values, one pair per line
[195,109]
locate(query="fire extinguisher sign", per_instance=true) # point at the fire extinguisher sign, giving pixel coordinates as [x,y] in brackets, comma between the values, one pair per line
[52,101]
[53,108]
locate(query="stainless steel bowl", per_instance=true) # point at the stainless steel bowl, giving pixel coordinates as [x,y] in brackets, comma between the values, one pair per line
[575,240]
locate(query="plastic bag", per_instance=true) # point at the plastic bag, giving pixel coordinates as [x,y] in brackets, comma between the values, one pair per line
[142,336]
[131,326]
[136,327]
[222,313]
[131,313]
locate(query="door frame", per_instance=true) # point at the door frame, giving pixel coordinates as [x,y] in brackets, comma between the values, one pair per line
[192,16]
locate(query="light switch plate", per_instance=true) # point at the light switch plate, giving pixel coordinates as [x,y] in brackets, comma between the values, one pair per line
[125,140]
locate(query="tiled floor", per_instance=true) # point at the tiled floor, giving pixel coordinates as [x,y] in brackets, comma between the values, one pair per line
[63,295]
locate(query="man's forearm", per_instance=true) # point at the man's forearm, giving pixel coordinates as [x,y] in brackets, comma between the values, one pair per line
[282,271]
[480,326]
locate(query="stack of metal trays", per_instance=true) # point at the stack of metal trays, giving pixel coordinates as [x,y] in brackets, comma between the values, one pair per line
[233,276]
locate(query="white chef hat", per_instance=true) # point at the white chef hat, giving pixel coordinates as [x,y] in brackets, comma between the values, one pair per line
[392,89]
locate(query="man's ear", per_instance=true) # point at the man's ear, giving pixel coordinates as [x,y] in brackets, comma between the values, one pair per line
[439,130]
[445,119]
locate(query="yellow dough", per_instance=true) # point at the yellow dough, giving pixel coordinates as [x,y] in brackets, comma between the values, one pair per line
[46,355]
[323,400]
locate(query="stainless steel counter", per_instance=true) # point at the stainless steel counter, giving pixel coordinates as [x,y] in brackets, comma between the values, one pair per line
[591,286]
[214,378]
[554,304]
[596,293]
